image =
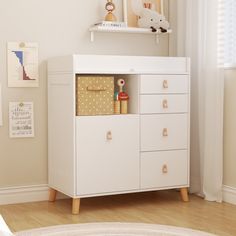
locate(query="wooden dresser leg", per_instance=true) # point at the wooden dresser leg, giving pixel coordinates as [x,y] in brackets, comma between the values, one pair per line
[184,194]
[75,206]
[52,195]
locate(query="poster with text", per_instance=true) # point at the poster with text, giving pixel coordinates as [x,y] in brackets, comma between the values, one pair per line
[21,119]
[22,64]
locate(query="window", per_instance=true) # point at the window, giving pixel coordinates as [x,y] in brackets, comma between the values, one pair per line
[227,33]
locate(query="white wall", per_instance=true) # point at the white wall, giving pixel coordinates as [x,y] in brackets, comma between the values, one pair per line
[60,27]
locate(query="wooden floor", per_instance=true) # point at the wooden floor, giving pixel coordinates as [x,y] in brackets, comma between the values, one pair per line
[163,207]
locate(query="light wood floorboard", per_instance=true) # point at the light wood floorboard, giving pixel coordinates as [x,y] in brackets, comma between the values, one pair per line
[162,207]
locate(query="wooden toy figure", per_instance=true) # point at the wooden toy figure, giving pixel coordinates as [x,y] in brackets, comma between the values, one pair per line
[110,7]
[116,103]
[123,97]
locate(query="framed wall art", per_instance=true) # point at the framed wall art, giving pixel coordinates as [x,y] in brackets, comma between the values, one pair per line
[22,64]
[21,119]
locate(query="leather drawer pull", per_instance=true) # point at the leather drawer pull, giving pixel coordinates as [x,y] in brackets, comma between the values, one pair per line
[109,135]
[165,84]
[96,89]
[165,169]
[165,104]
[165,132]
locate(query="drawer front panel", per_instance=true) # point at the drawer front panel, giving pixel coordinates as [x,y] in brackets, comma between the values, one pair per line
[164,132]
[163,103]
[164,169]
[164,84]
[107,154]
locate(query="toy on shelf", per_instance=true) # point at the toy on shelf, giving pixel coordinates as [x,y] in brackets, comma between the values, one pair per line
[121,98]
[116,103]
[149,18]
[110,7]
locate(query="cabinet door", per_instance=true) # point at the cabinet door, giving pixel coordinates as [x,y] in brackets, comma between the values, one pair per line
[107,154]
[164,132]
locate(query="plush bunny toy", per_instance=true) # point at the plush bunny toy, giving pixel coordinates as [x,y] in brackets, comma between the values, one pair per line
[149,18]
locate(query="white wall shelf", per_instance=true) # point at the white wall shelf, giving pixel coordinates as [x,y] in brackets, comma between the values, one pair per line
[133,30]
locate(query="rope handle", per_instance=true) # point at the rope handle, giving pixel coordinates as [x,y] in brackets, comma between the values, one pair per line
[96,89]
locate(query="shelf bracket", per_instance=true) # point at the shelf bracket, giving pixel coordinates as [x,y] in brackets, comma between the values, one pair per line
[157,39]
[92,36]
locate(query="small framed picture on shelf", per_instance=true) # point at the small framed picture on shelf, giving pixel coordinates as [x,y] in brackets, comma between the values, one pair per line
[134,8]
[114,10]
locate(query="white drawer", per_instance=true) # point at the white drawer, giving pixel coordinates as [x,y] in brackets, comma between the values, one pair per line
[164,169]
[107,153]
[164,84]
[163,103]
[164,132]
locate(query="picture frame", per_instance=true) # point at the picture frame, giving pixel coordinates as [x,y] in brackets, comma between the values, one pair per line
[22,64]
[118,11]
[21,119]
[129,16]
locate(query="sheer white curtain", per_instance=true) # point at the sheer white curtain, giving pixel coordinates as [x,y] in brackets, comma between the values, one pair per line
[200,40]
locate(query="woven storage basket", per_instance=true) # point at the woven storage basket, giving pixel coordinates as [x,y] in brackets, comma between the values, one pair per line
[94,95]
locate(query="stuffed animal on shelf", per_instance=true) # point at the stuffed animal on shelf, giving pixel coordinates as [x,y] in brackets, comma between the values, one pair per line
[149,18]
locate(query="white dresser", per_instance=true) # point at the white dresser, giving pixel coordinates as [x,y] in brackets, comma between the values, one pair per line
[146,149]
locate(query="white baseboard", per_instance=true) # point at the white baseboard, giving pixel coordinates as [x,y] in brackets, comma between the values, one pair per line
[36,193]
[22,194]
[229,194]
